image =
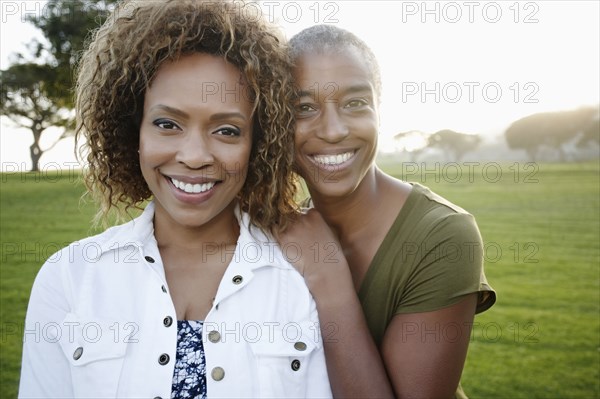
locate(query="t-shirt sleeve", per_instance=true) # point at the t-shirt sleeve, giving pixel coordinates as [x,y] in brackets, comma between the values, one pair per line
[446,266]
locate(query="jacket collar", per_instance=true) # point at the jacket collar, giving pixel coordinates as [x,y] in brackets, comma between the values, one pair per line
[135,232]
[254,248]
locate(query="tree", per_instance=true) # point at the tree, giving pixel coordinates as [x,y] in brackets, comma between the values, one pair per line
[24,100]
[66,24]
[413,142]
[454,143]
[38,94]
[590,133]
[552,129]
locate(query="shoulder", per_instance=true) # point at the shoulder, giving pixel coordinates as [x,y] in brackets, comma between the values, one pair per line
[274,290]
[259,247]
[90,250]
[275,279]
[442,225]
[425,221]
[432,235]
[93,247]
[436,199]
[433,215]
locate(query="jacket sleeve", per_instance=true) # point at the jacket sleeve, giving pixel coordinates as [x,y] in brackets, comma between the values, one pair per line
[45,370]
[318,378]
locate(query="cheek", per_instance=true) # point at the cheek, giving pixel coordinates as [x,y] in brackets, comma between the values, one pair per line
[145,149]
[235,160]
[149,154]
[301,135]
[303,131]
[368,128]
[147,160]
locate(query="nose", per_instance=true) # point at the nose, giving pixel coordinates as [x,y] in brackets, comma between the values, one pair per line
[195,151]
[333,128]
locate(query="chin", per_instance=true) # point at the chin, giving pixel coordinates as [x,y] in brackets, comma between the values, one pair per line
[333,189]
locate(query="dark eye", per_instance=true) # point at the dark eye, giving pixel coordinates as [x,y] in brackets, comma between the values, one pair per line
[305,108]
[228,131]
[356,103]
[166,124]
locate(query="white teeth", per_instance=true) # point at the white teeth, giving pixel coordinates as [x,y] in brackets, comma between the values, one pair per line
[193,188]
[333,159]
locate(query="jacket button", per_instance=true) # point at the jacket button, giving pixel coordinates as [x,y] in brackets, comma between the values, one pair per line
[164,289]
[78,352]
[300,346]
[163,359]
[150,259]
[167,321]
[296,365]
[237,279]
[217,373]
[214,336]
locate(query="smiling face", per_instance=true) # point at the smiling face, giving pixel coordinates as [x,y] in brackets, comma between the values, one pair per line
[337,122]
[195,139]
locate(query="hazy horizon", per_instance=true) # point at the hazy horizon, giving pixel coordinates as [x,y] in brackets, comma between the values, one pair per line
[473,67]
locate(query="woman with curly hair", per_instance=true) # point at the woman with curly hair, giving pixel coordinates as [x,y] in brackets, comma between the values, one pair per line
[187,105]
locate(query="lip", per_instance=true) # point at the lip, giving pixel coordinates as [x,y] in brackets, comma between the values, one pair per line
[333,167]
[332,151]
[191,179]
[192,198]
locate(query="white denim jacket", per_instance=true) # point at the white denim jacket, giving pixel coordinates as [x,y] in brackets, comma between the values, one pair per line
[101,323]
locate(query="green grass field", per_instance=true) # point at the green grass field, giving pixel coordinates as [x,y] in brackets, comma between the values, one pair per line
[541,227]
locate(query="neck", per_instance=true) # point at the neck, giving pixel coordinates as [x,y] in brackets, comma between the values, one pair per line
[352,212]
[222,229]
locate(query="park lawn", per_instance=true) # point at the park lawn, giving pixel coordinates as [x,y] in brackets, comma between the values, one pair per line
[541,228]
[39,214]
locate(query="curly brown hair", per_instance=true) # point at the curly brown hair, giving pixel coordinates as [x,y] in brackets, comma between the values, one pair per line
[120,64]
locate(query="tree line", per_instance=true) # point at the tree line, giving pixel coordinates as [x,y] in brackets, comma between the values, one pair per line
[37,92]
[555,130]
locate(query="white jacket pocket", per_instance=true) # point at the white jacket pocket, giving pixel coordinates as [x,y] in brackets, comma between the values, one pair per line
[282,365]
[95,355]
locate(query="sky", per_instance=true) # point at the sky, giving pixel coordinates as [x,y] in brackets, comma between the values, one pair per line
[470,66]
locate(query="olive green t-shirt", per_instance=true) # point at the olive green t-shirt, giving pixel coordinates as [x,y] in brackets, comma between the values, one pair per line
[430,259]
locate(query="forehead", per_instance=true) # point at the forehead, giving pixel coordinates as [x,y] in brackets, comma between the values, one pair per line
[199,79]
[197,68]
[342,68]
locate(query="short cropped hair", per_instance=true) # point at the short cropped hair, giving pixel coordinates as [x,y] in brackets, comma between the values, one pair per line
[120,64]
[328,39]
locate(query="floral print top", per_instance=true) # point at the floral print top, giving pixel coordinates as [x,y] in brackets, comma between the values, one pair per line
[189,376]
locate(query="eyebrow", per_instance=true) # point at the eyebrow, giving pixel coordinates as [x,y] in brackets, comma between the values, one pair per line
[170,110]
[359,88]
[214,117]
[349,90]
[227,115]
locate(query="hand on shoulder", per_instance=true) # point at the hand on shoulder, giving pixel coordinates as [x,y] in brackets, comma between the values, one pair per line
[313,248]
